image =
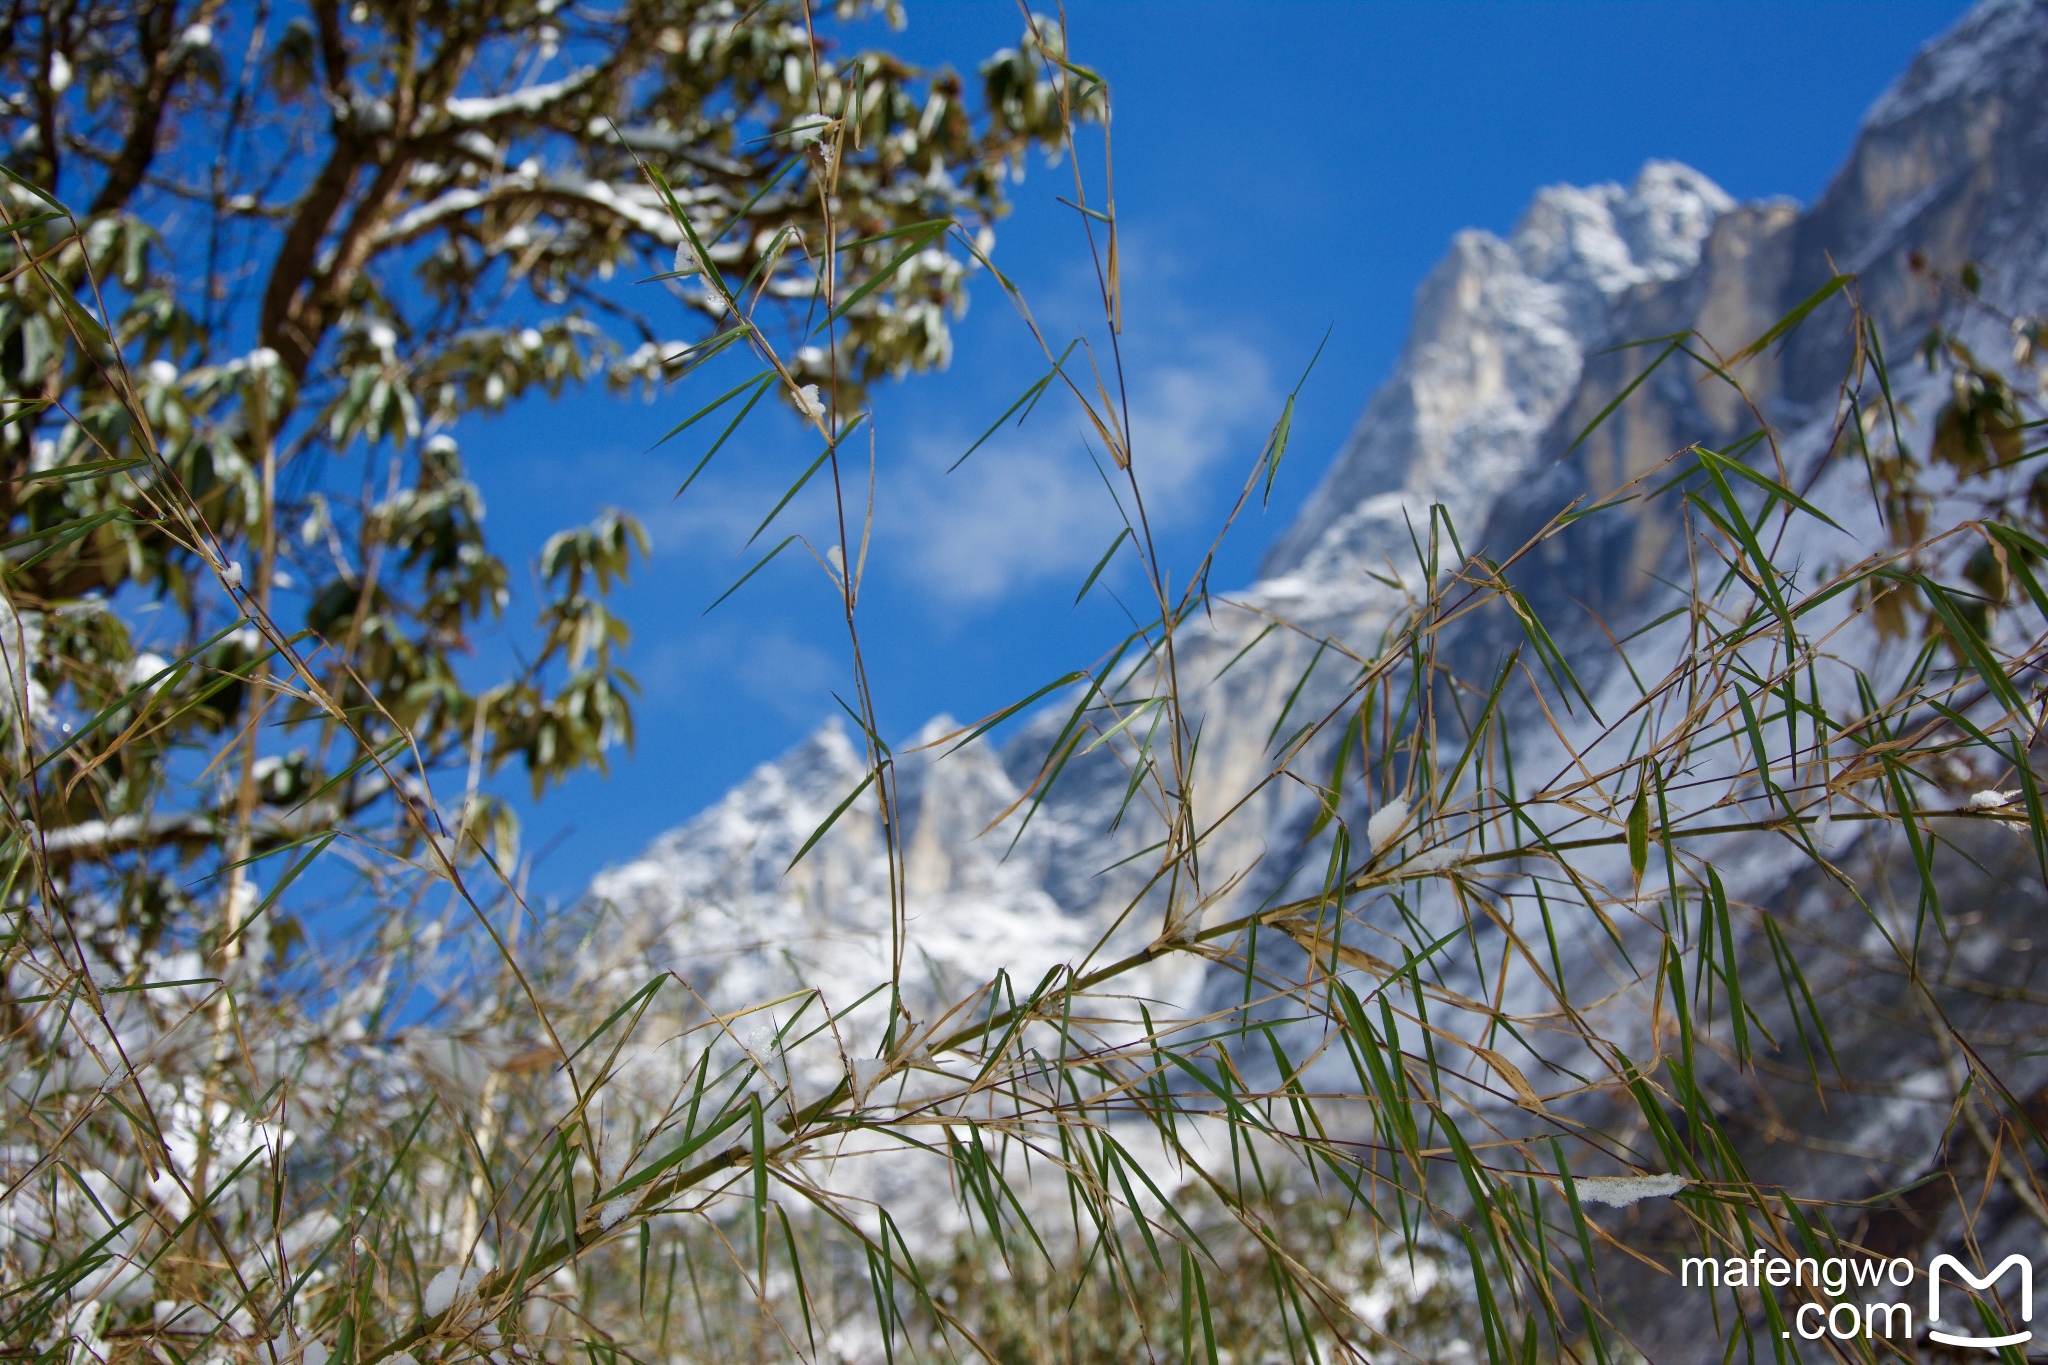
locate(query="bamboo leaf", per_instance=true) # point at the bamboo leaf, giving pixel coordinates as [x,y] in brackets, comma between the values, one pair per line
[1100,564]
[760,565]
[1622,397]
[1835,285]
[930,231]
[1027,401]
[1639,835]
[830,821]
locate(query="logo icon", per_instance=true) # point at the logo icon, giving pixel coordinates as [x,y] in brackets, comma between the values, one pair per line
[2026,1270]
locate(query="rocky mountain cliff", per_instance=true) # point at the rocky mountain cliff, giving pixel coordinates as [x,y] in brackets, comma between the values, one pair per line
[1498,347]
[1511,355]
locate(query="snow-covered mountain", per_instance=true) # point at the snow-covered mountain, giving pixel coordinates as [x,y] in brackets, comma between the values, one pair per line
[1509,358]
[1497,349]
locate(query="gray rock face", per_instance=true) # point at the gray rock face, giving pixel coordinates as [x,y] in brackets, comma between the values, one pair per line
[719,903]
[1497,346]
[1950,166]
[1502,372]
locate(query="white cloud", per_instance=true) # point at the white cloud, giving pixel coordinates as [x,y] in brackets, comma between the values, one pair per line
[1029,505]
[1027,509]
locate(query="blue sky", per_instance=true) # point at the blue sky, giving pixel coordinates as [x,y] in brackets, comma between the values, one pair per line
[1283,169]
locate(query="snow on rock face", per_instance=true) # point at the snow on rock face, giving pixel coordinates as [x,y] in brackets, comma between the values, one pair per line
[717,901]
[1501,361]
[1998,45]
[1501,331]
[1499,338]
[1499,372]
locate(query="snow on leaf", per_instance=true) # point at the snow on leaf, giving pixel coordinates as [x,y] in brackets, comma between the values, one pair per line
[1439,859]
[1387,823]
[447,1287]
[1619,1191]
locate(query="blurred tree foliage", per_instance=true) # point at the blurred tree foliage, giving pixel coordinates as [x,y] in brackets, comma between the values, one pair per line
[320,233]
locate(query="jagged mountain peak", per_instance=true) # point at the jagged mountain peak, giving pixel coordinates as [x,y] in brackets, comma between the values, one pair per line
[1501,327]
[1998,46]
[1498,376]
[1611,238]
[727,902]
[1498,341]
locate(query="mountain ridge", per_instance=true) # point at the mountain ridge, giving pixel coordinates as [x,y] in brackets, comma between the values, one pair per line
[1514,351]
[1494,378]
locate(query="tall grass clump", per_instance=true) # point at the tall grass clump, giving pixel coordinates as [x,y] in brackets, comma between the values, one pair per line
[1581,908]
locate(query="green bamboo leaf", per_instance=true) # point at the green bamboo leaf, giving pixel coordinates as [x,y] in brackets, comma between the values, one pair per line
[1063,680]
[1731,967]
[32,188]
[894,232]
[1027,401]
[291,874]
[1770,486]
[24,408]
[34,220]
[1639,835]
[740,214]
[932,230]
[1737,525]
[1622,397]
[804,478]
[172,673]
[1477,734]
[703,352]
[726,435]
[2021,550]
[73,473]
[646,992]
[1555,666]
[1270,628]
[1295,695]
[84,325]
[1969,643]
[730,1115]
[1835,285]
[1100,564]
[830,821]
[796,1269]
[1276,440]
[1143,709]
[714,405]
[1333,795]
[741,581]
[1191,1274]
[758,1159]
[769,255]
[1096,214]
[66,532]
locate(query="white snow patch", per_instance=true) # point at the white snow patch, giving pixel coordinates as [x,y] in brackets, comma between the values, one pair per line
[447,1287]
[1619,1191]
[1387,823]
